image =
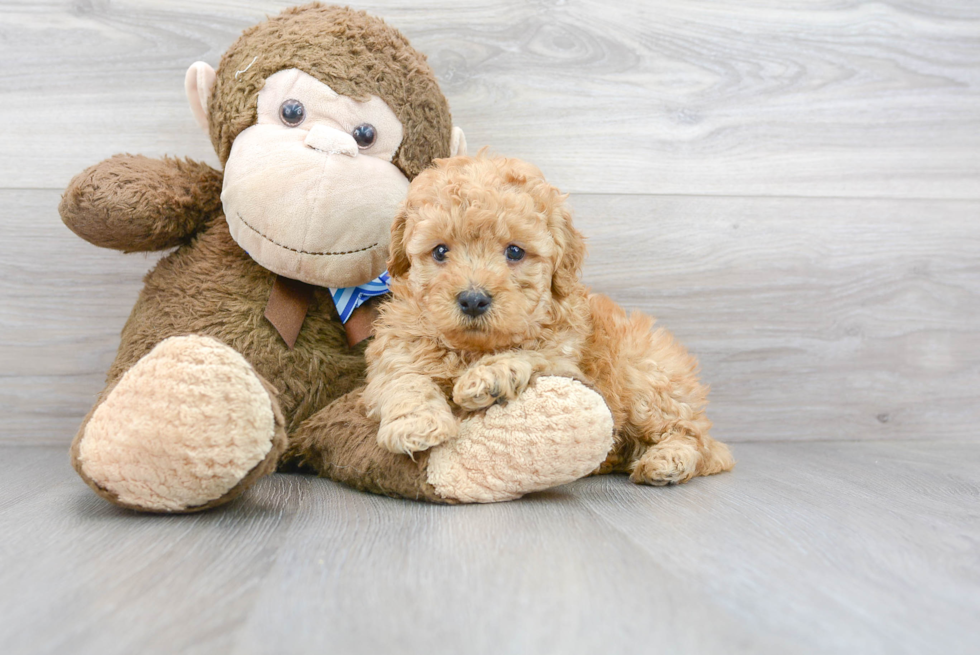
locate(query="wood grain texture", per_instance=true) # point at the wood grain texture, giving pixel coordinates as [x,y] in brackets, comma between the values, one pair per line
[822,98]
[804,548]
[62,305]
[813,318]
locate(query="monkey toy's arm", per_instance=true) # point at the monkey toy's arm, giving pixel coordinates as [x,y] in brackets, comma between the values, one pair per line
[134,203]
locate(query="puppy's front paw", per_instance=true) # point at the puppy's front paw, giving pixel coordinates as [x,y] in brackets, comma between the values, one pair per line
[477,388]
[414,432]
[484,384]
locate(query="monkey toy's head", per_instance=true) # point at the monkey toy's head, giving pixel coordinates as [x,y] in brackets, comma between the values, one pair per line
[321,116]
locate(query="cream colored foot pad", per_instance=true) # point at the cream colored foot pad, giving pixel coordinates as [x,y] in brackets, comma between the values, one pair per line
[182,427]
[565,432]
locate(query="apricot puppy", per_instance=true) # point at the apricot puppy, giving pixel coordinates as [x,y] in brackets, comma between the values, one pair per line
[485,267]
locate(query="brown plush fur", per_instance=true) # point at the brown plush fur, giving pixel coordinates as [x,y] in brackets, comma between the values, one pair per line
[340,442]
[134,203]
[542,321]
[209,286]
[356,55]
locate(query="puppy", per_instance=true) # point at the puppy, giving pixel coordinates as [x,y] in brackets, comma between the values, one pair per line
[486,296]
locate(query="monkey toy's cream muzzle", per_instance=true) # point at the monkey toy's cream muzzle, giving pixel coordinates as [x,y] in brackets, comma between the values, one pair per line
[302,196]
[331,141]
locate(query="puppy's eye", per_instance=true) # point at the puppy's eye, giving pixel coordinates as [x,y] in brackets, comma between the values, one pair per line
[365,135]
[514,253]
[439,252]
[292,112]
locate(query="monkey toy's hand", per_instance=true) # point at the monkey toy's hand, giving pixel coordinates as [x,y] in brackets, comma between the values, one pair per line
[134,203]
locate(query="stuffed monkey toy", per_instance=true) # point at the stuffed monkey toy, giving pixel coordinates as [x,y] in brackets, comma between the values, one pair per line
[244,353]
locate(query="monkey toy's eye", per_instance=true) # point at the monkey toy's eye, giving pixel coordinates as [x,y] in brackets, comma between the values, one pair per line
[439,252]
[292,112]
[514,253]
[365,135]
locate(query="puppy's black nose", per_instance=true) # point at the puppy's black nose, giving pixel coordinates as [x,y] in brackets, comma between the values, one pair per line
[474,302]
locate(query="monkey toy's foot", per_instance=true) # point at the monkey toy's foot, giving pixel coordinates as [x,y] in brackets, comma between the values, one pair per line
[188,427]
[557,431]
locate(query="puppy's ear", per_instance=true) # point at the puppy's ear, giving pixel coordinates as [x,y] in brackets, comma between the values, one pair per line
[398,263]
[570,253]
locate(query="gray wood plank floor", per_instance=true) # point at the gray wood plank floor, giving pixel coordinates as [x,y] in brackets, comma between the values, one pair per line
[806,548]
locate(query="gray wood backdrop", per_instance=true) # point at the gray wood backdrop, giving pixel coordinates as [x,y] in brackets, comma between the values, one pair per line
[792,187]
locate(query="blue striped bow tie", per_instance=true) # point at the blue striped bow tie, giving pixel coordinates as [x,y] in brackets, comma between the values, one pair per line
[347,299]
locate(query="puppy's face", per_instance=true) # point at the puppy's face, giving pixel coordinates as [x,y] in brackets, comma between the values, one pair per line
[478,246]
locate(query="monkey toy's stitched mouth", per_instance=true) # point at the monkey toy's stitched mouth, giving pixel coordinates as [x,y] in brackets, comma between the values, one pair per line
[297,250]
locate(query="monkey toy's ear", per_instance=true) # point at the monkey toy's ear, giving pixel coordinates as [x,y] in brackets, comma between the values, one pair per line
[197,83]
[457,145]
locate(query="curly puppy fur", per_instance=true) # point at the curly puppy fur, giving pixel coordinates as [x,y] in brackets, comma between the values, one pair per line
[486,295]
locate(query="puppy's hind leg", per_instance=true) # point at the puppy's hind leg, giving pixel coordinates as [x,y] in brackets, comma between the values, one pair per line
[651,384]
[715,457]
[665,410]
[678,457]
[673,444]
